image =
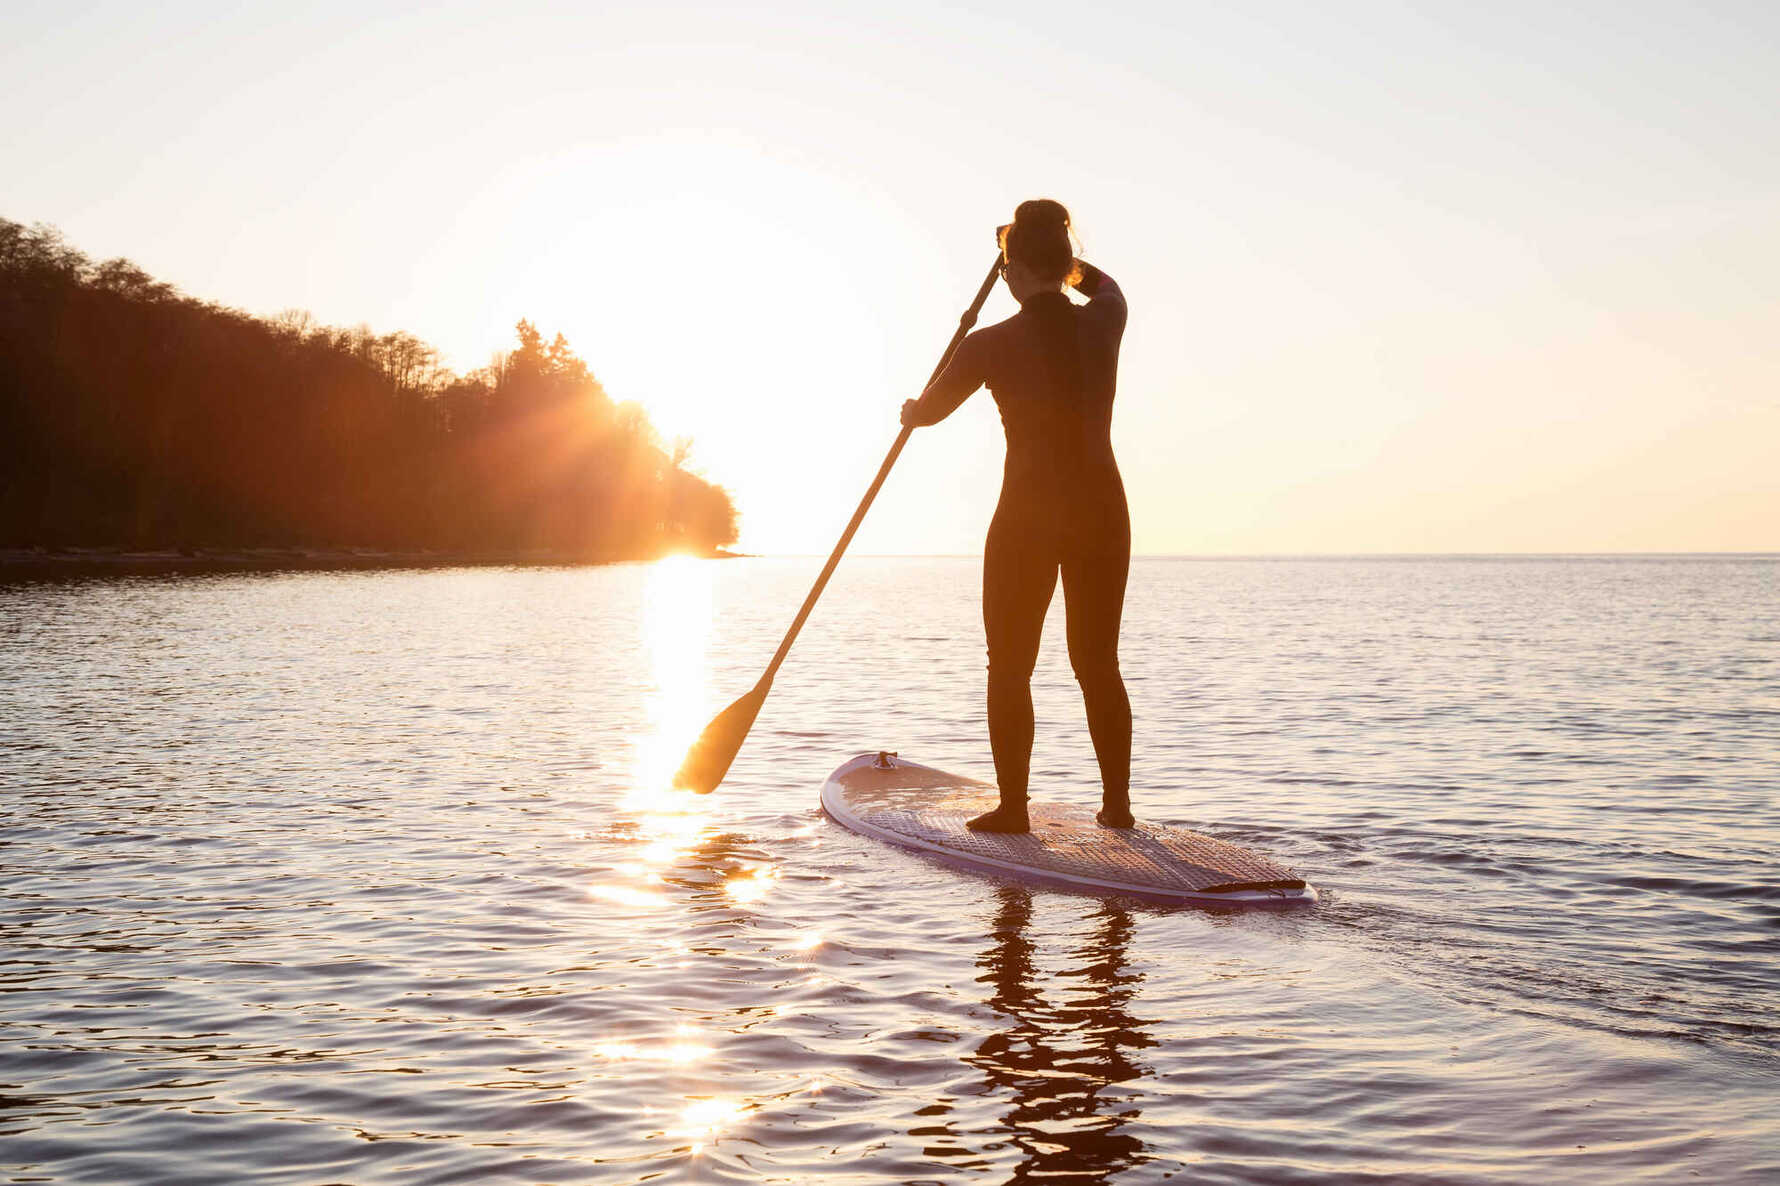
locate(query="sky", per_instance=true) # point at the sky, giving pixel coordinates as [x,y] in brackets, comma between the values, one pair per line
[1403,277]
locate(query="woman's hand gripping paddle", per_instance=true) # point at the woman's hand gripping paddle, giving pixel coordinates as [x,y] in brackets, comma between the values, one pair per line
[709,759]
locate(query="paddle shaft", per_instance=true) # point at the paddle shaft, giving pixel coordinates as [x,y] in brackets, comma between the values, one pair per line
[902,438]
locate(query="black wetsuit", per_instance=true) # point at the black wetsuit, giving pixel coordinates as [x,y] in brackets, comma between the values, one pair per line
[1052,368]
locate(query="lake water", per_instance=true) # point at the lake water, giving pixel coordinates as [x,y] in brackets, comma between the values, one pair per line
[374,878]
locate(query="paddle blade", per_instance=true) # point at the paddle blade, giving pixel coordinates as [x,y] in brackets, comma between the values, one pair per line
[709,758]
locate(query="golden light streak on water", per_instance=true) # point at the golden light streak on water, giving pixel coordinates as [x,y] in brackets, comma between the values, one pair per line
[671,828]
[627,895]
[684,1049]
[704,1119]
[685,1052]
[676,633]
[667,823]
[750,886]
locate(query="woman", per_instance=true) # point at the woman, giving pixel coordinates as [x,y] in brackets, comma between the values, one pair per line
[1052,368]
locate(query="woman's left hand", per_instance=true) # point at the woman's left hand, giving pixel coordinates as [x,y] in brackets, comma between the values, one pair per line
[911,413]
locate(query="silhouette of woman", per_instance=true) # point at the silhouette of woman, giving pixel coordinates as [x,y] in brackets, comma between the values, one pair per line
[1052,368]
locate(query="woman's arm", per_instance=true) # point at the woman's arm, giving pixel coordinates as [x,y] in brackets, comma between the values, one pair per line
[962,376]
[1102,292]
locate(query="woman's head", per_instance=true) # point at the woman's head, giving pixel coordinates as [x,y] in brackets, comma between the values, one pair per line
[1038,243]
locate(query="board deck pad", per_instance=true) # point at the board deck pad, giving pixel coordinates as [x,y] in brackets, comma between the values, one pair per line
[914,806]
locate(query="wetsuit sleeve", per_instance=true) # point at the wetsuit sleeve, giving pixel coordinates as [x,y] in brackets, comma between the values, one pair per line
[1104,298]
[963,375]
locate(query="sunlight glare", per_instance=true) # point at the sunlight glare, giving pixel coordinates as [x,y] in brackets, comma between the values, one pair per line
[747,888]
[627,895]
[704,1119]
[670,835]
[683,1050]
[676,629]
[669,823]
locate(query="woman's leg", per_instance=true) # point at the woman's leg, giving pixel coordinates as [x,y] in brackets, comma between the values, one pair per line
[1019,575]
[1094,594]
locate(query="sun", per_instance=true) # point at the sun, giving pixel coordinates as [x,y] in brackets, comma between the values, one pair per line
[744,299]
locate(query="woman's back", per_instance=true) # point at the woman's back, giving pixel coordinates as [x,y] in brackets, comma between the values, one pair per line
[1053,370]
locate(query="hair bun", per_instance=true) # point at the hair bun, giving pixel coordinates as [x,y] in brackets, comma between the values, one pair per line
[1042,214]
[1039,239]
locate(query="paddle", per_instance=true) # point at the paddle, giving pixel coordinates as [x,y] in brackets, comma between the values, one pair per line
[710,757]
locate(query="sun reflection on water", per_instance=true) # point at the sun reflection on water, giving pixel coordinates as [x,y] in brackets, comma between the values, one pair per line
[676,633]
[748,886]
[682,1050]
[672,828]
[668,824]
[627,895]
[703,1120]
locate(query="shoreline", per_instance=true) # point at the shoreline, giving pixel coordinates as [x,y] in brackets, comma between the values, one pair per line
[102,561]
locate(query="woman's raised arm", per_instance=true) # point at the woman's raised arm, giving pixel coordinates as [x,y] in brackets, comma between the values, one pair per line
[1101,290]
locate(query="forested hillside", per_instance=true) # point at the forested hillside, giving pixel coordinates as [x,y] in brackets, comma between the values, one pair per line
[132,415]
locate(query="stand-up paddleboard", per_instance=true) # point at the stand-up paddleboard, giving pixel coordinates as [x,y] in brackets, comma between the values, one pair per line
[914,806]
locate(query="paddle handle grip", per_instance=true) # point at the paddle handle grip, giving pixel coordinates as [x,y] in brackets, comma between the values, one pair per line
[902,438]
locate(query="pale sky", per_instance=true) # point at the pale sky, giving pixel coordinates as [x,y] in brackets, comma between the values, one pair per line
[1403,277]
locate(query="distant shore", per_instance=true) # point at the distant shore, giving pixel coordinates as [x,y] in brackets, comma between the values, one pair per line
[31,562]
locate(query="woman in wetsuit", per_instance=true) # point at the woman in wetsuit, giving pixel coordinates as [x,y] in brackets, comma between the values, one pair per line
[1052,368]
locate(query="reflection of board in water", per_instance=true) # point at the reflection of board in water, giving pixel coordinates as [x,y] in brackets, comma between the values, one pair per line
[914,806]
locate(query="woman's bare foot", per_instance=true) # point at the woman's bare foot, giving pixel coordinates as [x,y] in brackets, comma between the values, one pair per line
[1115,817]
[1004,818]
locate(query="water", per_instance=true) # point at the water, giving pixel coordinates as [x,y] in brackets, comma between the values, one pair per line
[371,878]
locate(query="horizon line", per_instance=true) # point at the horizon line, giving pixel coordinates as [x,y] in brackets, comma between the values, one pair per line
[1760,554]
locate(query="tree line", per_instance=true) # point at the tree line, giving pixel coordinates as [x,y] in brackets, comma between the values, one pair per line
[135,416]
